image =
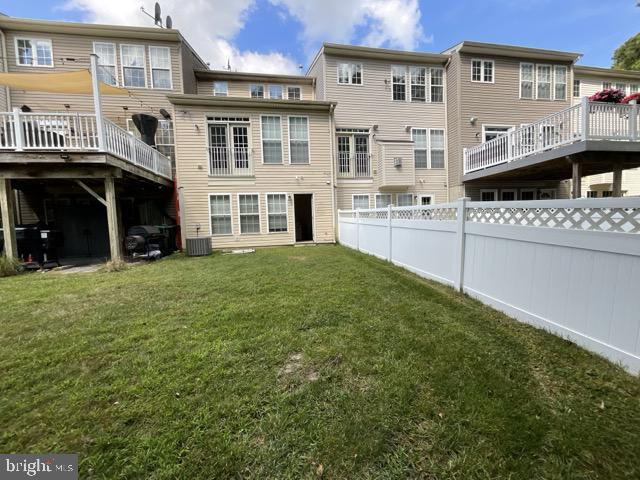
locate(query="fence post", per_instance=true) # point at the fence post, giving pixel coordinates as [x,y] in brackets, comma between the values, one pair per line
[460,238]
[358,229]
[585,118]
[18,131]
[633,122]
[389,228]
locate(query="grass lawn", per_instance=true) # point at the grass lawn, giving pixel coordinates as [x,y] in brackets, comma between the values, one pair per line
[299,363]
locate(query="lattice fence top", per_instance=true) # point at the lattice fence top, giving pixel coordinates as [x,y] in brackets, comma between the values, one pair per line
[379,214]
[601,219]
[425,213]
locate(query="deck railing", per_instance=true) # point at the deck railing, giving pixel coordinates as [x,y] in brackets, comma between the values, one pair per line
[230,161]
[77,132]
[357,165]
[585,121]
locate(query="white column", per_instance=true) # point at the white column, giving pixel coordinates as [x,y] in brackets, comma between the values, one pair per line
[390,232]
[585,117]
[18,130]
[358,229]
[97,101]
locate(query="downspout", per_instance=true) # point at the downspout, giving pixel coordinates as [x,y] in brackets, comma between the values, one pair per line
[446,122]
[333,180]
[5,66]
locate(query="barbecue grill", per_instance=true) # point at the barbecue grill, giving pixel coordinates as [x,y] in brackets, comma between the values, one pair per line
[146,241]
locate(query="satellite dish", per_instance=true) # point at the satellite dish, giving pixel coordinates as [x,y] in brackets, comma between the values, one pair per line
[168,23]
[158,15]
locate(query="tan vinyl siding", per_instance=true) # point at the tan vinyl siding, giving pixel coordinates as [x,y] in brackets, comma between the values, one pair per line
[562,188]
[192,176]
[454,145]
[189,62]
[78,47]
[496,103]
[238,88]
[317,71]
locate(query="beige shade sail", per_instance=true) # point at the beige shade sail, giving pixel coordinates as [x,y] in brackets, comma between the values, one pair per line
[68,82]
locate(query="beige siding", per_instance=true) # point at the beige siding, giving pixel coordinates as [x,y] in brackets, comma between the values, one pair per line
[390,176]
[317,71]
[237,88]
[497,103]
[192,176]
[454,141]
[78,47]
[189,63]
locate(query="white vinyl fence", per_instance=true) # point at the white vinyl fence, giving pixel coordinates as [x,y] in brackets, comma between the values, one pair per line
[569,266]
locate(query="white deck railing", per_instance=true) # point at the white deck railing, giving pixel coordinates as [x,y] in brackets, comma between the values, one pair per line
[230,161]
[77,132]
[354,166]
[586,121]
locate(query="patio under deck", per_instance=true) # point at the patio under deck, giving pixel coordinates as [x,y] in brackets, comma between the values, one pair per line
[582,140]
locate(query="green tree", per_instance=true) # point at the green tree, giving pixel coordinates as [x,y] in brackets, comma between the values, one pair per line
[627,55]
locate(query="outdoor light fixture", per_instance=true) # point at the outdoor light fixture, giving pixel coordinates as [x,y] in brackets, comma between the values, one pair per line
[473,120]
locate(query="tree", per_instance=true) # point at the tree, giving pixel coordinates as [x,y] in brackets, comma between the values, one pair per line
[627,55]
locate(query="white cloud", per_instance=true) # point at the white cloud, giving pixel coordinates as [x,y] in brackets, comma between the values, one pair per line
[208,25]
[382,23]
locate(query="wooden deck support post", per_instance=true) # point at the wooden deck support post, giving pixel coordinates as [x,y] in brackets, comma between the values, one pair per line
[112,219]
[8,220]
[617,182]
[576,179]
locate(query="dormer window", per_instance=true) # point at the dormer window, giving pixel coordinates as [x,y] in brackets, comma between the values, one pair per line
[482,71]
[34,52]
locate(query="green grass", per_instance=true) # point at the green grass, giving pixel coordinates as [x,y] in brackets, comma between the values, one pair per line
[272,364]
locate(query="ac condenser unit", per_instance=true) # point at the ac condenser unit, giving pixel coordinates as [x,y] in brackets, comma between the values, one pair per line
[198,247]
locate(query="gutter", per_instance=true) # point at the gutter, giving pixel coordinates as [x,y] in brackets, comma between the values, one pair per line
[446,125]
[333,173]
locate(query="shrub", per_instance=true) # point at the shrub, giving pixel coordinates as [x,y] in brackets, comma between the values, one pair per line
[633,96]
[609,95]
[9,266]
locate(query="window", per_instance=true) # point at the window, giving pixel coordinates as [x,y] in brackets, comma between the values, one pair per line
[436,144]
[489,132]
[106,62]
[526,80]
[405,199]
[133,69]
[271,139]
[350,73]
[592,194]
[275,92]
[426,200]
[547,194]
[220,89]
[277,212]
[257,91]
[298,140]
[488,195]
[383,200]
[160,59]
[294,93]
[527,194]
[399,83]
[560,82]
[482,71]
[360,202]
[607,193]
[633,88]
[544,82]
[622,86]
[606,85]
[249,211]
[508,194]
[220,208]
[419,137]
[576,87]
[418,84]
[34,52]
[437,85]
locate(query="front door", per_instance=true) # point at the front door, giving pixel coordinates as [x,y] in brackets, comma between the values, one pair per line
[303,208]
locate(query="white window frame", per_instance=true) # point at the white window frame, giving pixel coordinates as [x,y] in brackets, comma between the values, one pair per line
[430,84]
[384,194]
[551,87]
[281,91]
[217,93]
[144,64]
[489,190]
[427,147]
[289,117]
[482,70]
[510,190]
[353,197]
[491,127]
[230,214]
[533,81]
[281,141]
[259,232]
[115,60]
[286,210]
[406,194]
[576,83]
[430,196]
[530,190]
[427,83]
[264,90]
[430,148]
[33,41]
[168,49]
[555,82]
[407,95]
[294,86]
[350,72]
[607,85]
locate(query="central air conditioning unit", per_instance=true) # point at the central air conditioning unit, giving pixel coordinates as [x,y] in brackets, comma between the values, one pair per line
[199,246]
[397,161]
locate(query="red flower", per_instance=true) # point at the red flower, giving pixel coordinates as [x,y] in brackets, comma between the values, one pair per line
[609,95]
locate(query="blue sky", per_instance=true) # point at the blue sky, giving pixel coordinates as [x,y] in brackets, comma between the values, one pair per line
[280,34]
